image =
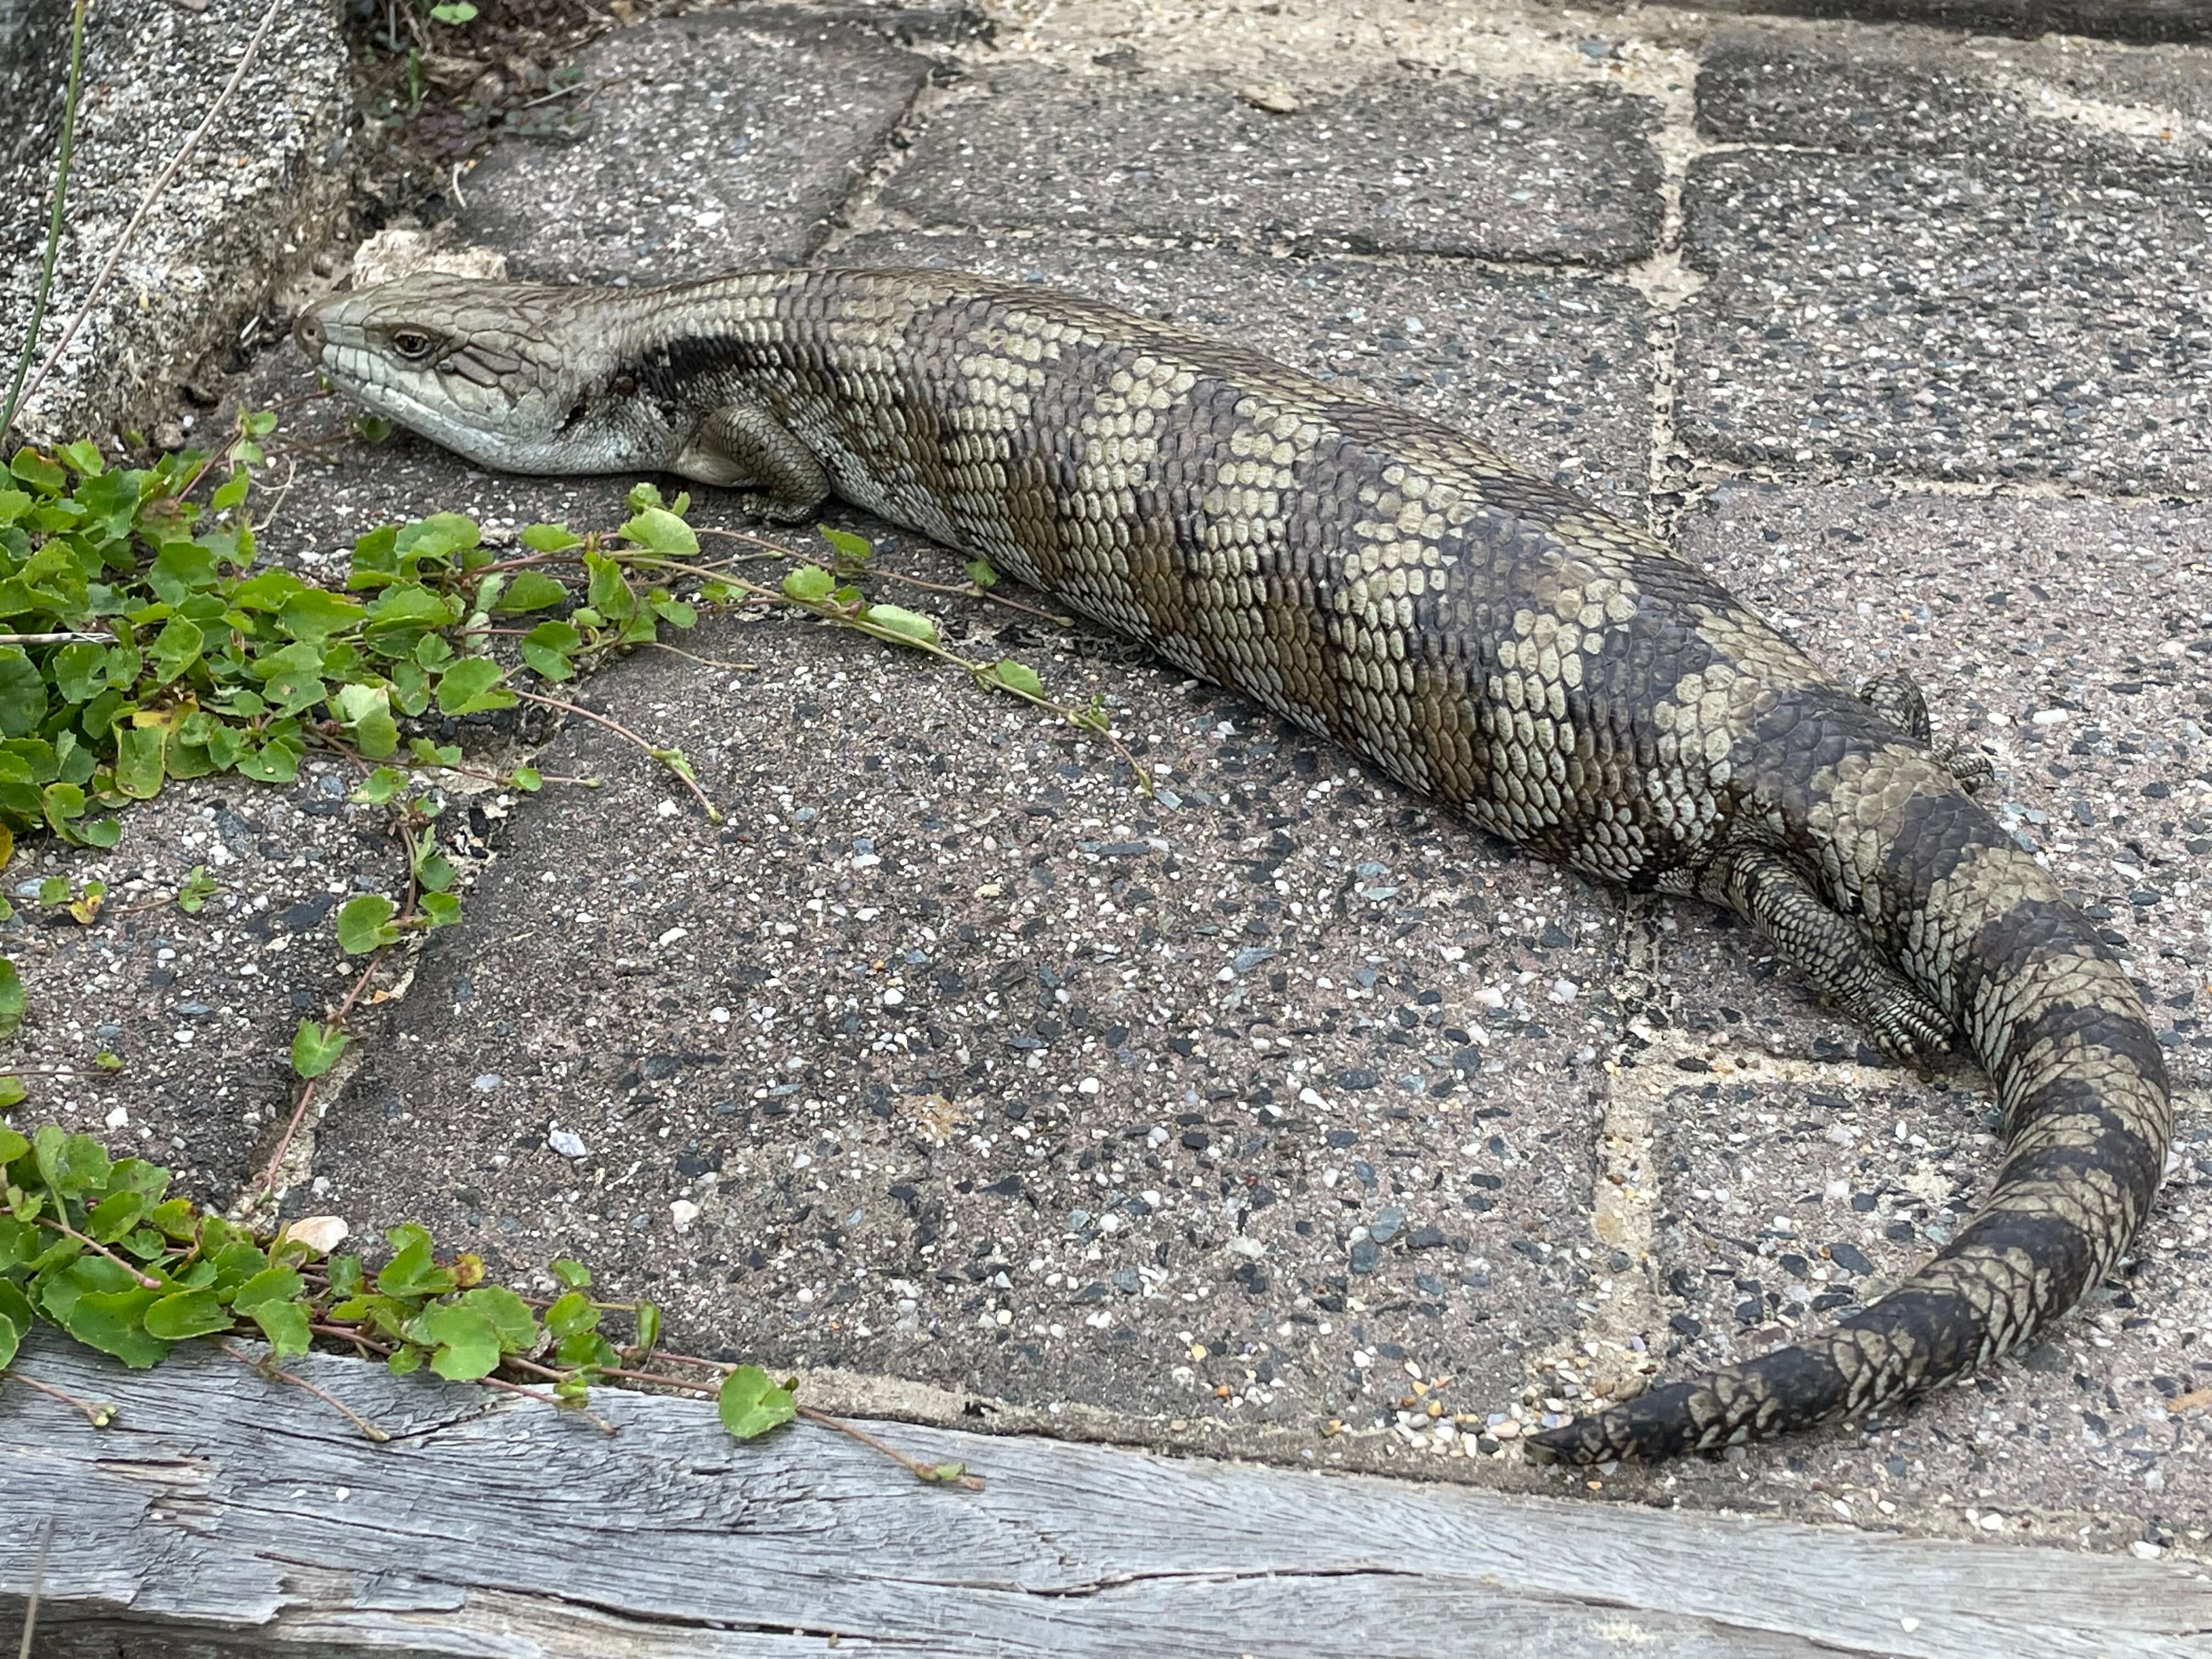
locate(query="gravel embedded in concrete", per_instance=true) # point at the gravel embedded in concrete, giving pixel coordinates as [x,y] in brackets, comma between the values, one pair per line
[1410,161]
[1925,91]
[1956,319]
[195,1010]
[954,1058]
[718,142]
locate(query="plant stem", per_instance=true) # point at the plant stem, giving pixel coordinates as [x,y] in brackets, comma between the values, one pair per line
[657,1381]
[146,1281]
[99,1413]
[599,1423]
[976,591]
[15,389]
[973,591]
[914,1466]
[268,1367]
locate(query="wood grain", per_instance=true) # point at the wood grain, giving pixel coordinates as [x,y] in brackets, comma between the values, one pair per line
[224,1515]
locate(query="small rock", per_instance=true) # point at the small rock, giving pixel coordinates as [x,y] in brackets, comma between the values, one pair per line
[1384,1227]
[1276,97]
[1850,1258]
[320,1233]
[568,1143]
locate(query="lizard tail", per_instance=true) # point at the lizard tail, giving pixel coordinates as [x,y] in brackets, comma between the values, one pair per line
[1980,928]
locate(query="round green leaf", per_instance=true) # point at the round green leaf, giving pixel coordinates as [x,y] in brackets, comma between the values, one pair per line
[114,1321]
[472,684]
[285,1325]
[750,1403]
[466,1342]
[659,529]
[364,923]
[1020,676]
[185,1313]
[907,624]
[270,1285]
[23,693]
[315,1049]
[530,590]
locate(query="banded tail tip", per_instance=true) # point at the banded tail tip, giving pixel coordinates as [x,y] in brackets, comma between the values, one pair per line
[1662,1422]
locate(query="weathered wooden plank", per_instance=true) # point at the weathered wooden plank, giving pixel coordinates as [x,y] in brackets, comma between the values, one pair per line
[233,1517]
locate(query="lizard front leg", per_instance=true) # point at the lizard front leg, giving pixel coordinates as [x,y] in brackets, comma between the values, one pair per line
[744,446]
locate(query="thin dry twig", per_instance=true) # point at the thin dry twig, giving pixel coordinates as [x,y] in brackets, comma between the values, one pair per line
[667,757]
[265,1182]
[15,393]
[153,195]
[704,662]
[38,1584]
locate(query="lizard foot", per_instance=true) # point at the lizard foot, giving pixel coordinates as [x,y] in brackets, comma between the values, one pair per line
[1829,948]
[1895,696]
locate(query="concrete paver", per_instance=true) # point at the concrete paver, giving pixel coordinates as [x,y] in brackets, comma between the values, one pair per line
[955,1060]
[1960,260]
[197,1010]
[1802,1172]
[1952,318]
[715,141]
[1412,160]
[1926,91]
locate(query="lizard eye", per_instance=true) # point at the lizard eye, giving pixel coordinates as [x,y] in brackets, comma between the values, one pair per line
[412,344]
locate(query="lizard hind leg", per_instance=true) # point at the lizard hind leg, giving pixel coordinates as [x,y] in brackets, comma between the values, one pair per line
[1895,696]
[743,445]
[1828,948]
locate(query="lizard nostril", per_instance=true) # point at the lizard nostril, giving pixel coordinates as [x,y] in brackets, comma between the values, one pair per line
[308,333]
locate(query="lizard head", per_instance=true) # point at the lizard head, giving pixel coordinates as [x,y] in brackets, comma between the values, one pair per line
[514,376]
